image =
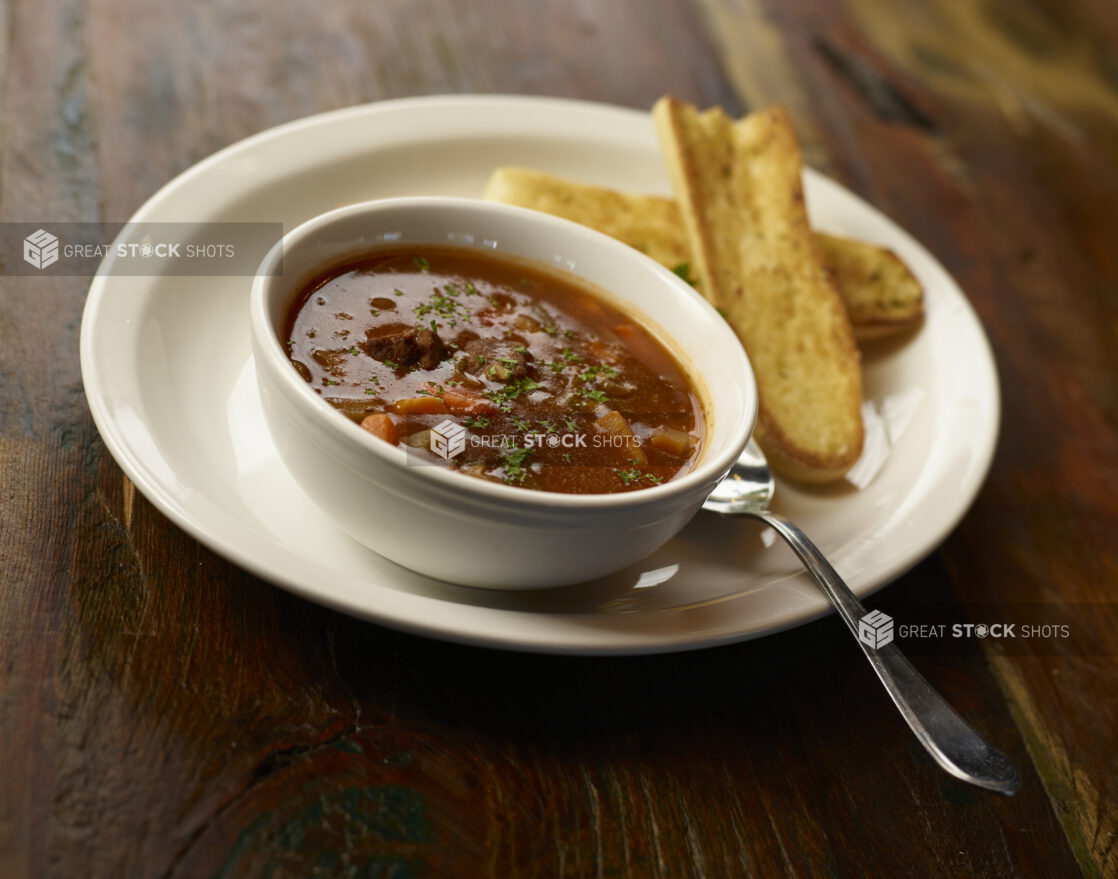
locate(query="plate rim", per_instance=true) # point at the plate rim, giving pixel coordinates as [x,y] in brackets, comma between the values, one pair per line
[553,642]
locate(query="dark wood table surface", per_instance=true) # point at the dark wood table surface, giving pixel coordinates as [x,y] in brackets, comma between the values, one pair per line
[163,713]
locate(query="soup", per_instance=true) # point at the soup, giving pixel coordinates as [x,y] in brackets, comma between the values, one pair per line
[497,369]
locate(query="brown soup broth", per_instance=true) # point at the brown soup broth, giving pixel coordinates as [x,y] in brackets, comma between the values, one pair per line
[525,359]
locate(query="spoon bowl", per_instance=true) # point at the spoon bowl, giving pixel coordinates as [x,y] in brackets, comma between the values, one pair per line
[748,486]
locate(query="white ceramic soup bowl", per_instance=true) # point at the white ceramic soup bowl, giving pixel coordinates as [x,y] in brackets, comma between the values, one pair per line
[462,528]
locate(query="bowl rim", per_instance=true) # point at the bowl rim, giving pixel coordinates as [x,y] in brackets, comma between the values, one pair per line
[266,338]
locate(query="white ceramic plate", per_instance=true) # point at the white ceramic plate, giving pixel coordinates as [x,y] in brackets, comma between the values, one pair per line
[170,382]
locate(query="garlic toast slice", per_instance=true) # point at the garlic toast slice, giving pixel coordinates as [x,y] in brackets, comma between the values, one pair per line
[740,193]
[880,294]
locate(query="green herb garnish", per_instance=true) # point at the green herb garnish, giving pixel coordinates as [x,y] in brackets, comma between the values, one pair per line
[629,476]
[513,464]
[503,397]
[634,474]
[684,271]
[445,307]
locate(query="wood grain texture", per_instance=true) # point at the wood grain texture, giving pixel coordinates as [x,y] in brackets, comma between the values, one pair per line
[164,714]
[990,131]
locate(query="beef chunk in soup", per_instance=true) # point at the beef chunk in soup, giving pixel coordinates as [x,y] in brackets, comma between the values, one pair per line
[495,359]
[407,348]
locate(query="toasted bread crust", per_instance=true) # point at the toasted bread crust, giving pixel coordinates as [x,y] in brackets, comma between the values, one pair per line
[649,223]
[880,294]
[739,190]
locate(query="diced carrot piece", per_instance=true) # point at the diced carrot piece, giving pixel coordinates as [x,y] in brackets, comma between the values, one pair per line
[381,425]
[419,406]
[671,440]
[463,402]
[615,425]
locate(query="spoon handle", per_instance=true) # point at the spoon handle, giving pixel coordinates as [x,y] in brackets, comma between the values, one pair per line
[953,743]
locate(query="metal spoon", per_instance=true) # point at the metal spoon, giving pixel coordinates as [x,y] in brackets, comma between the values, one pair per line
[952,742]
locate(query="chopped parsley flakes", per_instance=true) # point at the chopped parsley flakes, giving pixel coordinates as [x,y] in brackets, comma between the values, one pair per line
[446,307]
[513,461]
[634,474]
[503,397]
